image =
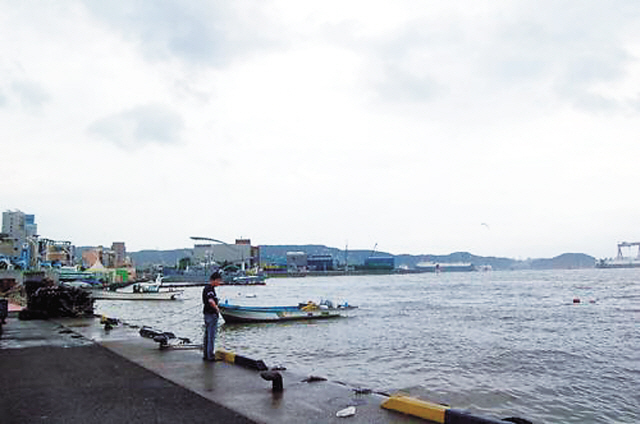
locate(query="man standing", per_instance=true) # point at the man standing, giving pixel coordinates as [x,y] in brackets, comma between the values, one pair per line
[211,312]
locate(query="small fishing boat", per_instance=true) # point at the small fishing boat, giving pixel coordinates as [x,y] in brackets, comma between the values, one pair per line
[116,295]
[243,278]
[246,280]
[149,286]
[303,311]
[141,291]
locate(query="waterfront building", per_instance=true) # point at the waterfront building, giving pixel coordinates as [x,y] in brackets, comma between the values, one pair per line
[296,261]
[19,238]
[9,246]
[320,262]
[103,255]
[109,264]
[203,252]
[242,253]
[58,252]
[90,257]
[30,226]
[120,253]
[13,223]
[381,263]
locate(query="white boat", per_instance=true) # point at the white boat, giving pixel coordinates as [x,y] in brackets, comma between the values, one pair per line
[116,295]
[445,267]
[618,263]
[77,284]
[304,311]
[148,287]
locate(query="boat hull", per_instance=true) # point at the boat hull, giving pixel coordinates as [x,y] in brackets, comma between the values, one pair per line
[234,313]
[445,267]
[111,295]
[618,265]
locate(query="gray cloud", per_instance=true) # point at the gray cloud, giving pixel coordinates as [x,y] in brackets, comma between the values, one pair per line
[30,94]
[400,63]
[400,85]
[151,124]
[581,74]
[574,47]
[199,32]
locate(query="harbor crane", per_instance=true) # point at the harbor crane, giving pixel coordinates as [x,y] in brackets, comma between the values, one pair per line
[627,244]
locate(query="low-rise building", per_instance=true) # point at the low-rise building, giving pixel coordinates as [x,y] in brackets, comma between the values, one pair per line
[242,253]
[320,262]
[382,263]
[296,261]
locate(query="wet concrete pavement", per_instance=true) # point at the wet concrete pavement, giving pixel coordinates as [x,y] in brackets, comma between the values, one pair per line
[73,370]
[49,374]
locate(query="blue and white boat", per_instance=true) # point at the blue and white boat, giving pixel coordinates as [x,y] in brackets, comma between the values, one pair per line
[303,311]
[140,291]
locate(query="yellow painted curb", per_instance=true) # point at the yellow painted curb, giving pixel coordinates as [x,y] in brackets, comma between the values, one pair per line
[223,355]
[416,407]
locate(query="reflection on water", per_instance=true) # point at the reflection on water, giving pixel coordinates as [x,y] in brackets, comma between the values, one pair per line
[498,343]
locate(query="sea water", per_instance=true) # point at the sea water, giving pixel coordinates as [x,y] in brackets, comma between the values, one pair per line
[500,343]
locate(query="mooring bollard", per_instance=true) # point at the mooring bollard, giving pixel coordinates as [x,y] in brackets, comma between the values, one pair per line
[276,378]
[4,310]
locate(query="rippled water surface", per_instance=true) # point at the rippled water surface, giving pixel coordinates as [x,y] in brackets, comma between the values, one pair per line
[508,343]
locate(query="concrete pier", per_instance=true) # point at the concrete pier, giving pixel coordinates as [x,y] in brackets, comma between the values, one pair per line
[75,371]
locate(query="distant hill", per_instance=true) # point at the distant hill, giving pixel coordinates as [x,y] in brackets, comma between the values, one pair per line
[278,254]
[410,261]
[565,261]
[159,257]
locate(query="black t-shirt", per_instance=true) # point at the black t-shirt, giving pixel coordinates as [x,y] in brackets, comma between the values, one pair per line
[209,292]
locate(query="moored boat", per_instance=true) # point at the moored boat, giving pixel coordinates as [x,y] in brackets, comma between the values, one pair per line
[303,311]
[445,267]
[149,286]
[115,295]
[618,263]
[242,278]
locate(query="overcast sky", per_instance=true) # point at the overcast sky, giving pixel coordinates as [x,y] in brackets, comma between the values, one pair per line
[506,128]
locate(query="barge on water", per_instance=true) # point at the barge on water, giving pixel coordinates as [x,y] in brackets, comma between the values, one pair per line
[445,267]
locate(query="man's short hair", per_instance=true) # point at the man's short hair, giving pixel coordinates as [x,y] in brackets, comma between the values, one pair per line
[215,276]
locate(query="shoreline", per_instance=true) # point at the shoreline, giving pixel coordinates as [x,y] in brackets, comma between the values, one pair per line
[229,389]
[112,374]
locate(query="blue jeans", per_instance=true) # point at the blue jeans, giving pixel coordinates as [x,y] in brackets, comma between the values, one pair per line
[210,329]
